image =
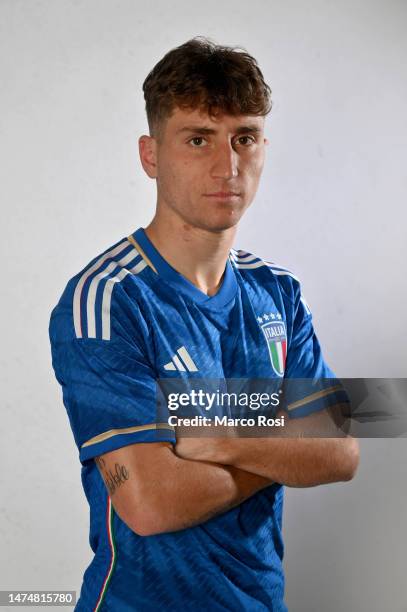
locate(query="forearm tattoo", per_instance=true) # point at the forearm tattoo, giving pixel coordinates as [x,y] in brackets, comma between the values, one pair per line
[113,478]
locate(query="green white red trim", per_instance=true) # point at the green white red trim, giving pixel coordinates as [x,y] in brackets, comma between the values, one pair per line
[109,527]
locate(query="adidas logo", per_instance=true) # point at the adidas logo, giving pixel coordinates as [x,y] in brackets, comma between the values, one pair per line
[182,362]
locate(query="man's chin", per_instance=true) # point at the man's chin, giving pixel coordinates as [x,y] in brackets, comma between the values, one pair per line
[219,225]
[223,221]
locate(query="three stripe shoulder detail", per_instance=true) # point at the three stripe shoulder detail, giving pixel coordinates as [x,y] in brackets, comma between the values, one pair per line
[93,291]
[243,260]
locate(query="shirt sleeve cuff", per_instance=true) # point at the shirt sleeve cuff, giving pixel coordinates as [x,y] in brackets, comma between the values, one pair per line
[117,438]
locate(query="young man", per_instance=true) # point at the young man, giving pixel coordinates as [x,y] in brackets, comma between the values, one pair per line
[193,523]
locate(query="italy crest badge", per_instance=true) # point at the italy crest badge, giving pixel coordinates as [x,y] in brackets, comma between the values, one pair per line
[276,337]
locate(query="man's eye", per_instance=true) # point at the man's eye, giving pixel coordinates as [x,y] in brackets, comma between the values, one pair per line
[197,141]
[247,139]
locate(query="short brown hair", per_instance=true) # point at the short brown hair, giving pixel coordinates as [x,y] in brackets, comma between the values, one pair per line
[202,74]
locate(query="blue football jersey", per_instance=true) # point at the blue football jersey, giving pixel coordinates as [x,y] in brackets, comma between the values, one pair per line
[125,321]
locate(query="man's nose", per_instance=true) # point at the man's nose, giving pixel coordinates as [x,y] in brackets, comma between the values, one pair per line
[225,162]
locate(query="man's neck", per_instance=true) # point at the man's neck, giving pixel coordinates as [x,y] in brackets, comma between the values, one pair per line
[199,255]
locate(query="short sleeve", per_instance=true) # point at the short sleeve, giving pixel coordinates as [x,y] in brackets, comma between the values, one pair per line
[310,383]
[108,386]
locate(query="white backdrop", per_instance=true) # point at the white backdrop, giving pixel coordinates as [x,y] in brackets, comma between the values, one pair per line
[331,207]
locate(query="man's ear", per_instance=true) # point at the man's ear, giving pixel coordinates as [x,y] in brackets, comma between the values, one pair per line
[266,141]
[147,146]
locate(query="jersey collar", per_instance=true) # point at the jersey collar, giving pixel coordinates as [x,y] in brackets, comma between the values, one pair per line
[226,292]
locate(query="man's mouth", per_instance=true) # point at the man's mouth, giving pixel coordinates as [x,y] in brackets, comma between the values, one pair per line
[222,195]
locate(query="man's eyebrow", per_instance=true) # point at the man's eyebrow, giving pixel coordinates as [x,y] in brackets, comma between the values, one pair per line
[249,129]
[200,129]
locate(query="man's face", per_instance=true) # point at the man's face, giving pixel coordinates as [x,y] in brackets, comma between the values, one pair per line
[208,169]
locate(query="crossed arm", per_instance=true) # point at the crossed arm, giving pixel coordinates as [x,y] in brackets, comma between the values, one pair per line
[309,451]
[155,491]
[156,488]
